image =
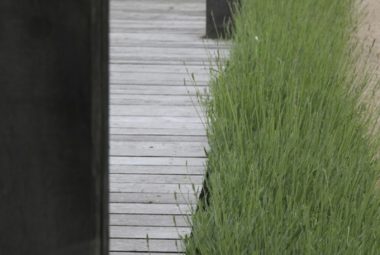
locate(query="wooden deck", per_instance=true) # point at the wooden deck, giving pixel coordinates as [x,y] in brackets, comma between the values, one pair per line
[157,133]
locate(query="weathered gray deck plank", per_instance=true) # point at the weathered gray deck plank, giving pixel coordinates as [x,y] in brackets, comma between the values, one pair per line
[156,90]
[157,126]
[158,111]
[154,78]
[158,149]
[161,209]
[170,125]
[159,69]
[162,110]
[157,40]
[140,245]
[153,187]
[156,169]
[158,161]
[167,233]
[149,220]
[158,138]
[158,131]
[135,121]
[149,198]
[164,179]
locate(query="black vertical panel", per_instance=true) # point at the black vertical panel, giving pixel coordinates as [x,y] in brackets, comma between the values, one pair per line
[53,127]
[219,17]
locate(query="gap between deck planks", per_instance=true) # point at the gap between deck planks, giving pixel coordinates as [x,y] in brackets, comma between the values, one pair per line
[157,126]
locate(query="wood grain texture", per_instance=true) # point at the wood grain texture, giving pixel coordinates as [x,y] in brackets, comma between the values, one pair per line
[158,138]
[166,233]
[160,209]
[156,169]
[159,67]
[143,245]
[150,198]
[189,131]
[154,178]
[160,89]
[159,188]
[158,161]
[149,220]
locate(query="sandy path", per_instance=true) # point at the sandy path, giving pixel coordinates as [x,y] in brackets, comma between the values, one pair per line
[369,33]
[370,29]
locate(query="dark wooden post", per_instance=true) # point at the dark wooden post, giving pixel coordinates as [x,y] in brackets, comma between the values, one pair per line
[219,18]
[53,127]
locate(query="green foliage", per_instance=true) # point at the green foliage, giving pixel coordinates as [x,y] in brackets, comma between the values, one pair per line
[292,166]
